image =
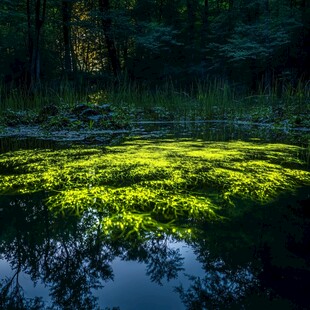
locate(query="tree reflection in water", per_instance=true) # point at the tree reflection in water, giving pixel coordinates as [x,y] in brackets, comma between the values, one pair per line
[69,255]
[257,259]
[55,251]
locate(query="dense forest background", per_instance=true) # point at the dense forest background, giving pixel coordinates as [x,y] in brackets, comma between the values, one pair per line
[248,43]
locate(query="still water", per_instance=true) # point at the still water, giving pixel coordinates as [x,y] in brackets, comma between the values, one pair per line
[58,261]
[129,288]
[257,256]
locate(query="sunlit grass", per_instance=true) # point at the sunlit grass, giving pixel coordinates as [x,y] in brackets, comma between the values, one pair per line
[155,186]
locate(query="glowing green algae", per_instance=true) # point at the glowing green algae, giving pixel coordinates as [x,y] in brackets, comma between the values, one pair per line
[143,185]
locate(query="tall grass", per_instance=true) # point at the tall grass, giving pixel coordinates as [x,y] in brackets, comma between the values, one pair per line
[19,99]
[198,101]
[209,99]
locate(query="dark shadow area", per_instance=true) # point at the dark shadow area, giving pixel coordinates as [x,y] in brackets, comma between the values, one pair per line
[259,260]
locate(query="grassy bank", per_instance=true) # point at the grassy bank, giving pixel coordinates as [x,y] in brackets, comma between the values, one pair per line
[212,100]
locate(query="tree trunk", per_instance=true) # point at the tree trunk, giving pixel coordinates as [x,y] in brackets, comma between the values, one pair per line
[104,8]
[190,20]
[34,38]
[205,24]
[230,5]
[66,28]
[30,45]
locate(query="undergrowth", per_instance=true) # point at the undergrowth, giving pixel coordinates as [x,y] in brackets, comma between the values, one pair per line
[209,100]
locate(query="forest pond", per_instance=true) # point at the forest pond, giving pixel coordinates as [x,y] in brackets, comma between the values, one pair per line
[155,222]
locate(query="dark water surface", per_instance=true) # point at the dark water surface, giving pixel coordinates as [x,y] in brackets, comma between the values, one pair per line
[258,260]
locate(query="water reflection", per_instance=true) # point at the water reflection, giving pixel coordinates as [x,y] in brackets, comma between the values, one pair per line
[69,255]
[137,204]
[208,131]
[260,259]
[53,251]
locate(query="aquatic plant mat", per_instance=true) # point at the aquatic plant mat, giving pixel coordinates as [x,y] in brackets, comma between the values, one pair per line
[147,187]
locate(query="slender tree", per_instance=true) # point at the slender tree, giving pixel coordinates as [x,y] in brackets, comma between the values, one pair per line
[34,40]
[66,27]
[191,18]
[106,22]
[205,23]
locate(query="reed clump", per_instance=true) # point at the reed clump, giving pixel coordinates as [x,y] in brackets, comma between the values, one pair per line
[203,100]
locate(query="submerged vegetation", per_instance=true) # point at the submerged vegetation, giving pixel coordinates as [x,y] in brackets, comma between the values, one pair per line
[154,186]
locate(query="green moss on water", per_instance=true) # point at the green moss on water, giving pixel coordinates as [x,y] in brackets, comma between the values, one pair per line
[157,186]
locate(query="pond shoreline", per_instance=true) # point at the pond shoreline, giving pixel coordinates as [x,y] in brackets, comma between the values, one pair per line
[36,131]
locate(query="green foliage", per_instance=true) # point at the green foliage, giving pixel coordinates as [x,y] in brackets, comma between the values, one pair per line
[152,187]
[259,41]
[154,40]
[13,118]
[129,102]
[157,38]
